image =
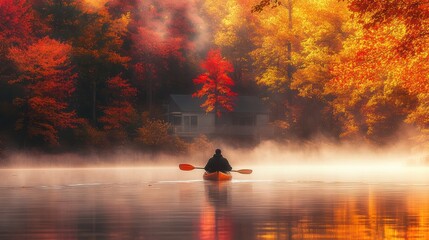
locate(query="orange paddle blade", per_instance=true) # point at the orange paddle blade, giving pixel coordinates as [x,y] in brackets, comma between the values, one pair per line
[244,171]
[186,167]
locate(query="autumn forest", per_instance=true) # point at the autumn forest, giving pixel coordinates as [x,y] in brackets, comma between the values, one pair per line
[96,74]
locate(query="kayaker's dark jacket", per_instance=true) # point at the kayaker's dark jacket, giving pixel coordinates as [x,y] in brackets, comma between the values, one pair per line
[218,163]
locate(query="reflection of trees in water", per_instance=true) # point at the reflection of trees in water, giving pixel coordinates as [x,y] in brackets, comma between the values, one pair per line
[374,215]
[199,211]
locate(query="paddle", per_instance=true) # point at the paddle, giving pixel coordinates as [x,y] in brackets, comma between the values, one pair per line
[189,167]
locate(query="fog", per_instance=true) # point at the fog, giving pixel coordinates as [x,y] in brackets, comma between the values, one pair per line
[320,160]
[266,153]
[127,192]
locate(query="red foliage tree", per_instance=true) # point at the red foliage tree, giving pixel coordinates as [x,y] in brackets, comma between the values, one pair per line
[17,20]
[17,27]
[121,110]
[46,76]
[162,32]
[216,83]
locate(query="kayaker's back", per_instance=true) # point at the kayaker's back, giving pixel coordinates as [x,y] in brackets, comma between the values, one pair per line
[218,163]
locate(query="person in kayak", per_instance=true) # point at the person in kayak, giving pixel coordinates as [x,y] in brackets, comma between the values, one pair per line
[218,163]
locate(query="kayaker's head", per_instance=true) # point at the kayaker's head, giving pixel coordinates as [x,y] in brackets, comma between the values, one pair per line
[218,152]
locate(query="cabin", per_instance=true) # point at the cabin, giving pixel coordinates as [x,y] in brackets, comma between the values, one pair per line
[250,118]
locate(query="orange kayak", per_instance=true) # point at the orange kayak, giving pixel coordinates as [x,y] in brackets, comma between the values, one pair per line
[217,176]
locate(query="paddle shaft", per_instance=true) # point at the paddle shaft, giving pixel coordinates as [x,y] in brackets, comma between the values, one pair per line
[189,167]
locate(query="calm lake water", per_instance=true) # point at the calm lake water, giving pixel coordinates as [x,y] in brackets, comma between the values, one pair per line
[165,203]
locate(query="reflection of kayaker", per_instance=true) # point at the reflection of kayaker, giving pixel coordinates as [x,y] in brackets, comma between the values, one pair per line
[216,221]
[217,163]
[218,194]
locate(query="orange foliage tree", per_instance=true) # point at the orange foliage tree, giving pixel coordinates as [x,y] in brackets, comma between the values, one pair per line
[416,81]
[97,36]
[156,135]
[412,14]
[47,78]
[380,79]
[216,83]
[98,53]
[120,111]
[368,85]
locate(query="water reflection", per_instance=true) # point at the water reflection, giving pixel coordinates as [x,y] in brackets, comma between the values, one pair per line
[215,220]
[346,212]
[218,194]
[110,206]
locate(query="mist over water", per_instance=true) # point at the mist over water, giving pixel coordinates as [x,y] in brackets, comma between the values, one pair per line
[323,161]
[302,202]
[304,191]
[314,189]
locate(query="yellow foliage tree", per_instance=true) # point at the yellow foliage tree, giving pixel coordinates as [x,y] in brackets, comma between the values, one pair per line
[232,33]
[314,31]
[295,43]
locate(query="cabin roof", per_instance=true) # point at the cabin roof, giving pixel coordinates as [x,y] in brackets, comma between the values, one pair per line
[242,104]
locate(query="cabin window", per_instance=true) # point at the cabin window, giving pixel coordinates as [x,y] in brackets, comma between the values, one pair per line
[176,120]
[244,120]
[190,121]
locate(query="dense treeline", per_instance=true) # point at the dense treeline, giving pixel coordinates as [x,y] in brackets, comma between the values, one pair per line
[96,74]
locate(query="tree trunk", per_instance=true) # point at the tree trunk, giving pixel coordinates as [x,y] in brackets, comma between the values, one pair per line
[289,67]
[94,102]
